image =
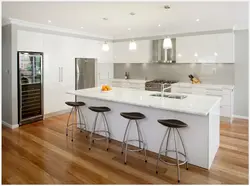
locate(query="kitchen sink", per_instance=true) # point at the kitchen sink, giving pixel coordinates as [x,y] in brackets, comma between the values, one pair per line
[173,96]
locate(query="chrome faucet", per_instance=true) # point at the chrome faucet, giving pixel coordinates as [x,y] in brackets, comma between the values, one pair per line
[163,89]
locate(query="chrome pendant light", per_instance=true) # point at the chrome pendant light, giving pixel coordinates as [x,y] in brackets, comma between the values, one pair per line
[167,43]
[132,45]
[105,46]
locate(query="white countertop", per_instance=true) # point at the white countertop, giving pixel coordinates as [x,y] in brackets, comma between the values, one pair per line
[212,86]
[130,80]
[193,104]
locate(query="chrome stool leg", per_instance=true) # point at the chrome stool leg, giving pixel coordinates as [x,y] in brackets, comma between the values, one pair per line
[183,148]
[123,141]
[67,128]
[93,130]
[78,112]
[105,119]
[166,153]
[177,157]
[72,124]
[81,116]
[141,140]
[139,135]
[126,147]
[177,163]
[107,133]
[159,154]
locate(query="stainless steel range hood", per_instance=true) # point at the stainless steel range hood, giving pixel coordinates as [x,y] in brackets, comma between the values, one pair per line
[160,55]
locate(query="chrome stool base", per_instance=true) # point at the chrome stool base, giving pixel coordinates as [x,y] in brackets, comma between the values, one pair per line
[106,131]
[76,110]
[141,142]
[176,151]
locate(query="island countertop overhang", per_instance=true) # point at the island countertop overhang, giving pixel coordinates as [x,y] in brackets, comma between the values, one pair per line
[192,104]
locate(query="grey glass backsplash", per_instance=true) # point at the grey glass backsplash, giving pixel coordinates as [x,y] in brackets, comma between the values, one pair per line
[207,73]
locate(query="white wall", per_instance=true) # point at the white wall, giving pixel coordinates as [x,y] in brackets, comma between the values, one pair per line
[6,74]
[241,74]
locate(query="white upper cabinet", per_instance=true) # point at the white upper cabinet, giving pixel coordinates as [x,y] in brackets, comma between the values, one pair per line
[225,48]
[212,48]
[29,41]
[142,54]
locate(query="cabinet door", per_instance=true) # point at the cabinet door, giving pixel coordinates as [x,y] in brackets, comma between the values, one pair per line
[53,97]
[67,63]
[205,45]
[185,49]
[29,41]
[210,48]
[225,48]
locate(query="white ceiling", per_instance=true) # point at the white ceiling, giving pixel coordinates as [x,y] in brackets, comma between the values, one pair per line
[181,18]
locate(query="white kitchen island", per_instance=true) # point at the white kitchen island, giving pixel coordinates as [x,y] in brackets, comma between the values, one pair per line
[201,113]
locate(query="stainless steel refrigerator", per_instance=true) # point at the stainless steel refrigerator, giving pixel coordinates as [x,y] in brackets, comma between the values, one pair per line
[85,73]
[30,86]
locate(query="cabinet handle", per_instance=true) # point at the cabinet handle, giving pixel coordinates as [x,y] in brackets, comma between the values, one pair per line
[59,75]
[213,95]
[214,89]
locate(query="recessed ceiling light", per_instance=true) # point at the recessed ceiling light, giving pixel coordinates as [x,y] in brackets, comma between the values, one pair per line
[129,29]
[159,25]
[197,20]
[105,18]
[81,27]
[49,21]
[132,13]
[167,7]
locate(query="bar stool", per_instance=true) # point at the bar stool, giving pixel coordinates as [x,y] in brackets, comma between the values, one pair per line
[75,109]
[101,110]
[172,124]
[133,116]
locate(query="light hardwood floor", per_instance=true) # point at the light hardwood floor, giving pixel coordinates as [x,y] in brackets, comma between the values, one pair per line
[40,153]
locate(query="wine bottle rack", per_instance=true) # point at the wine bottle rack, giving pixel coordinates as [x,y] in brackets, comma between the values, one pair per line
[31,101]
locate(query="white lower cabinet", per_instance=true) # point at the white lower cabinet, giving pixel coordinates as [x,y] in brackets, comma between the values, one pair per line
[227,96]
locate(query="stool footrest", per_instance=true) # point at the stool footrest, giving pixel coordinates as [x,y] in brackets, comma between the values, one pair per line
[173,164]
[101,131]
[101,138]
[135,150]
[70,124]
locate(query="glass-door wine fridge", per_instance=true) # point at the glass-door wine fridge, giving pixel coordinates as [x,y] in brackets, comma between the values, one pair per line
[30,86]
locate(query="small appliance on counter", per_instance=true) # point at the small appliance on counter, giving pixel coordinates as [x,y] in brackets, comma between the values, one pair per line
[194,79]
[156,85]
[126,75]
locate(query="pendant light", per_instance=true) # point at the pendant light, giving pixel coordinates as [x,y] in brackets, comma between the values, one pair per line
[132,45]
[167,43]
[105,46]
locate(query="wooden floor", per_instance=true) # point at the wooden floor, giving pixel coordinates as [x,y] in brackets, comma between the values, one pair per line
[40,153]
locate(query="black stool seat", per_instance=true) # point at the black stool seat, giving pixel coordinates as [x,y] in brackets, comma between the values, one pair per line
[132,115]
[75,103]
[174,123]
[100,109]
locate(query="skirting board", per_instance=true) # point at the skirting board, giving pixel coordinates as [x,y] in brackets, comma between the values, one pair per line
[56,113]
[9,125]
[240,117]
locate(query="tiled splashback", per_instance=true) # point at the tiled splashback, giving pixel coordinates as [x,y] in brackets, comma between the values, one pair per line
[207,73]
